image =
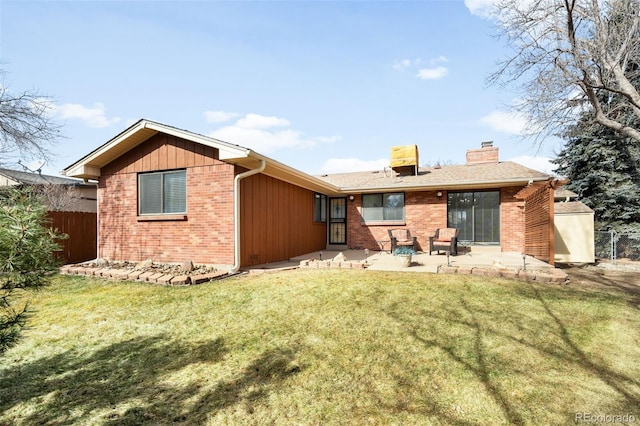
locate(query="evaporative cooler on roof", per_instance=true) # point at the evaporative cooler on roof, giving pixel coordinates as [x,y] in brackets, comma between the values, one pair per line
[404,159]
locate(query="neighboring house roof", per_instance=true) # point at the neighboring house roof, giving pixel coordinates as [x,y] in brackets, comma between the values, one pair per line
[16,177]
[564,194]
[571,207]
[487,175]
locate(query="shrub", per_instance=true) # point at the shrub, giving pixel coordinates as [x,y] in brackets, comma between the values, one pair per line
[404,250]
[26,258]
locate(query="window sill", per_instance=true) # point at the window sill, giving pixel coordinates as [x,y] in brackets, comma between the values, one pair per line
[383,223]
[161,217]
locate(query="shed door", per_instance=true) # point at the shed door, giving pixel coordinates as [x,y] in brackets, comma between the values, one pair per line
[338,221]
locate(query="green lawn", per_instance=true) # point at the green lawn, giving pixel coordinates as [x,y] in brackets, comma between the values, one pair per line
[323,347]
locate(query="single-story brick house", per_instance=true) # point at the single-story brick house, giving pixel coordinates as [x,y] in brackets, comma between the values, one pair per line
[173,195]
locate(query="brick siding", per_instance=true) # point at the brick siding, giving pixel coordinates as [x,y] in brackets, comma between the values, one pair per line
[205,237]
[424,213]
[483,155]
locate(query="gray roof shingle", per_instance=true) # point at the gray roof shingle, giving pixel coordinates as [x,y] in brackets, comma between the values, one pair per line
[444,177]
[571,207]
[29,178]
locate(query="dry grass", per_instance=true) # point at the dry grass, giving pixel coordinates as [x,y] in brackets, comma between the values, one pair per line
[323,347]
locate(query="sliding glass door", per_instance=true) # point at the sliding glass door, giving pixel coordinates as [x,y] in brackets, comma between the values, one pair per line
[476,215]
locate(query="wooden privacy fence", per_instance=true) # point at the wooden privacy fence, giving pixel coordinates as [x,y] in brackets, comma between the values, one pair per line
[538,217]
[82,229]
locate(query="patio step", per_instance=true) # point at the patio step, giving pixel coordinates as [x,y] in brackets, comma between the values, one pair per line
[337,247]
[480,249]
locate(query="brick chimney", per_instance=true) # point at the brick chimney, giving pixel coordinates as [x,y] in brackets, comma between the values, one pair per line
[486,154]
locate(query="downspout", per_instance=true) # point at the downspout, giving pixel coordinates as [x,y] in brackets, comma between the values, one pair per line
[236,212]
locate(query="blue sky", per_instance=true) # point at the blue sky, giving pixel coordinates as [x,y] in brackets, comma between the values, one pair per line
[321,86]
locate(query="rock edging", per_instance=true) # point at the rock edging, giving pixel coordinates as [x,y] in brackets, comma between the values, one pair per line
[141,275]
[315,263]
[551,275]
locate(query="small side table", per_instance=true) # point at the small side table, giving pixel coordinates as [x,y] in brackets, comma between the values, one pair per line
[382,243]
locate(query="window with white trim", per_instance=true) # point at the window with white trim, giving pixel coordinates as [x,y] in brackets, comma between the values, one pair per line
[383,207]
[162,192]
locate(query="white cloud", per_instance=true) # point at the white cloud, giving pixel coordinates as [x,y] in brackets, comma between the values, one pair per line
[402,65]
[506,122]
[219,116]
[94,116]
[267,134]
[257,121]
[481,8]
[542,164]
[432,73]
[345,165]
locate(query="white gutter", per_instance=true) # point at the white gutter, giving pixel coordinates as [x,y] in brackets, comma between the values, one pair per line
[236,212]
[468,184]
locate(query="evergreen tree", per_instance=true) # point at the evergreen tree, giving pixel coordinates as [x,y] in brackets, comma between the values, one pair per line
[26,258]
[604,170]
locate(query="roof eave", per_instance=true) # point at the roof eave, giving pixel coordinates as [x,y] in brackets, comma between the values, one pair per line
[286,173]
[446,186]
[89,166]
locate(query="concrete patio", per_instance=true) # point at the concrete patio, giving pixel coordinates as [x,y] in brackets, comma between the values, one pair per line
[483,261]
[486,257]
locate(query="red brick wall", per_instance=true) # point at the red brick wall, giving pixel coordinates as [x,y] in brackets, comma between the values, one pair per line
[424,213]
[205,237]
[512,223]
[276,217]
[483,155]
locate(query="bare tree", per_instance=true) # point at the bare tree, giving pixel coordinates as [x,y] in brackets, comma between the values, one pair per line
[26,127]
[58,197]
[571,56]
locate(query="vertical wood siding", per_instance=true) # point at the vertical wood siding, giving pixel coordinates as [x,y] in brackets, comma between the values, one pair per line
[277,221]
[162,152]
[81,229]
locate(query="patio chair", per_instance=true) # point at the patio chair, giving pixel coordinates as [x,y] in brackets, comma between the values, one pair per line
[402,237]
[444,239]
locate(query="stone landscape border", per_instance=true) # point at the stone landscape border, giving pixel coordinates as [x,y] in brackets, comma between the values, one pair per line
[141,275]
[550,275]
[344,264]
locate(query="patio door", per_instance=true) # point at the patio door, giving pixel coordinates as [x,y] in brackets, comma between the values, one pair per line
[337,221]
